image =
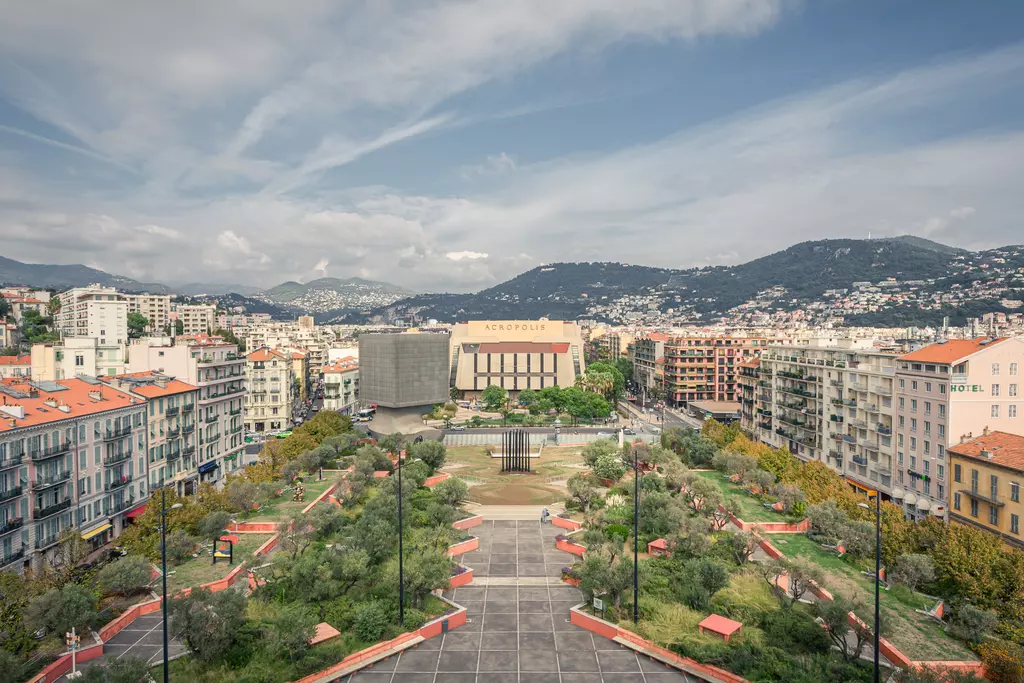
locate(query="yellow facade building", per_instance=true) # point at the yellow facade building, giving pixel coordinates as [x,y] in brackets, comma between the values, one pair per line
[987,473]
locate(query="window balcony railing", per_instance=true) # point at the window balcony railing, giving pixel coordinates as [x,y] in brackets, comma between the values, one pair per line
[188,429]
[118,482]
[12,557]
[43,542]
[12,461]
[12,524]
[11,493]
[116,458]
[40,513]
[236,411]
[174,432]
[188,407]
[118,506]
[991,498]
[173,455]
[173,411]
[50,451]
[188,450]
[882,429]
[117,432]
[860,460]
[210,419]
[48,479]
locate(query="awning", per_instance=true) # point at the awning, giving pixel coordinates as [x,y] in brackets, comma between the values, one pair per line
[910,499]
[132,514]
[97,531]
[206,467]
[898,493]
[856,484]
[924,504]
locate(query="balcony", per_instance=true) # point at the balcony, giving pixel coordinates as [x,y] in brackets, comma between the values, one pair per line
[43,481]
[837,418]
[13,461]
[850,403]
[991,498]
[236,411]
[173,455]
[188,450]
[870,407]
[12,557]
[882,429]
[188,407]
[114,459]
[11,493]
[43,542]
[117,432]
[12,524]
[174,432]
[764,411]
[40,513]
[50,451]
[172,412]
[188,429]
[859,424]
[869,445]
[210,419]
[860,460]
[797,391]
[235,430]
[119,482]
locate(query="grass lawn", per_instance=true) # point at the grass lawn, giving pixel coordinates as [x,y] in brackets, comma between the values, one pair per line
[917,636]
[750,508]
[200,569]
[489,486]
[283,507]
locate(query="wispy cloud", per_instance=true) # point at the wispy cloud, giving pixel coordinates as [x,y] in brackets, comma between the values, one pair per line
[63,145]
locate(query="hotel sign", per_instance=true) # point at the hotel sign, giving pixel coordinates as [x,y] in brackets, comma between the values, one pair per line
[966,388]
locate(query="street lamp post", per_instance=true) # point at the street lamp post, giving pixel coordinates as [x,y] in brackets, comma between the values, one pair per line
[878,567]
[636,536]
[163,568]
[401,568]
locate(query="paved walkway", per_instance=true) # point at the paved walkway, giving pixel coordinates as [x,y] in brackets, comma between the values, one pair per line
[143,638]
[518,633]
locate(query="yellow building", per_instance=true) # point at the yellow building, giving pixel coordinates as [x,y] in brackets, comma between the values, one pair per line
[515,354]
[985,491]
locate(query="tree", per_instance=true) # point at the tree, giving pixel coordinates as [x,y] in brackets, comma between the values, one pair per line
[179,328]
[424,572]
[702,496]
[392,443]
[834,617]
[494,397]
[137,324]
[324,425]
[527,397]
[5,308]
[801,577]
[116,670]
[127,575]
[432,453]
[59,609]
[291,631]
[582,490]
[913,569]
[972,624]
[742,545]
[212,525]
[596,449]
[180,546]
[610,467]
[452,492]
[230,337]
[35,327]
[208,622]
[789,495]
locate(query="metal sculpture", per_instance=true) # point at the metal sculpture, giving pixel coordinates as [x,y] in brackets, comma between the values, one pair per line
[515,451]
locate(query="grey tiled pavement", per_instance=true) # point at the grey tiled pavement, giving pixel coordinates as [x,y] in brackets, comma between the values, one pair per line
[143,638]
[518,634]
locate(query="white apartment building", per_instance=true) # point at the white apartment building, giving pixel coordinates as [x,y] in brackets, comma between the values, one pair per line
[156,308]
[341,385]
[75,357]
[97,312]
[306,336]
[195,318]
[218,371]
[270,379]
[960,387]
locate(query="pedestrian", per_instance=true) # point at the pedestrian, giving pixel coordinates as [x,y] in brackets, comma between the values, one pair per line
[543,515]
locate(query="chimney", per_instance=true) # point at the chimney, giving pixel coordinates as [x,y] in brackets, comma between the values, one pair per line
[96,395]
[51,402]
[987,454]
[64,408]
[14,410]
[984,432]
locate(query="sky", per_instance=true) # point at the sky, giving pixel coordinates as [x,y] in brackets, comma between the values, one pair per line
[450,145]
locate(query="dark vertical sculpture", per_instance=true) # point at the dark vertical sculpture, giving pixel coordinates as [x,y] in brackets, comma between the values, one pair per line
[515,451]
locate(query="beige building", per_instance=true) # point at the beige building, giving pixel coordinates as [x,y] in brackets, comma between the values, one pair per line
[15,366]
[77,356]
[195,318]
[945,391]
[341,385]
[97,312]
[270,380]
[304,336]
[515,354]
[156,308]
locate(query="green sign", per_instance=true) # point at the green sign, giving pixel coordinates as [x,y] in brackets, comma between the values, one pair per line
[966,388]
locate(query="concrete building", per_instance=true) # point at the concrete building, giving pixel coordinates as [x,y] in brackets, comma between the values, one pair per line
[97,312]
[10,335]
[647,354]
[341,385]
[218,371]
[611,344]
[310,338]
[171,419]
[72,456]
[705,368]
[195,318]
[405,375]
[77,356]
[944,391]
[984,492]
[514,354]
[156,308]
[19,367]
[300,373]
[270,378]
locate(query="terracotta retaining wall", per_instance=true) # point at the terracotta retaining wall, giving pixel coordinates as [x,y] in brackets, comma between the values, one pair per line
[463,547]
[692,666]
[252,528]
[328,491]
[770,527]
[436,479]
[563,523]
[571,548]
[62,665]
[463,579]
[115,626]
[469,522]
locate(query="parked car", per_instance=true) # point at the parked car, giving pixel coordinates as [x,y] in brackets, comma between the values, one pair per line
[629,431]
[458,428]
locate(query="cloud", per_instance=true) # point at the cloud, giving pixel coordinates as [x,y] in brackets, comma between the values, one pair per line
[463,255]
[494,165]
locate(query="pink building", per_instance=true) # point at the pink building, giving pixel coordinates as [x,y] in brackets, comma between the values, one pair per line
[943,391]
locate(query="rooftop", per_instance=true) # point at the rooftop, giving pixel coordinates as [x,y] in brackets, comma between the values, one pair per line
[342,365]
[951,351]
[28,404]
[263,354]
[16,360]
[1007,450]
[150,384]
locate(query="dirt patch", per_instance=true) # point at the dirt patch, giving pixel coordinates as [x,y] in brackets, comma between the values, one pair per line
[517,494]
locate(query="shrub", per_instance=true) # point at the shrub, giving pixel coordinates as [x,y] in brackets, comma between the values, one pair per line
[620,531]
[123,670]
[125,576]
[433,453]
[796,632]
[292,629]
[180,546]
[414,618]
[913,569]
[1003,661]
[452,491]
[610,467]
[972,624]
[371,620]
[58,610]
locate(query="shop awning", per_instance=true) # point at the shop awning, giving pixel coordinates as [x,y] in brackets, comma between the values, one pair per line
[132,514]
[857,485]
[97,531]
[208,466]
[910,499]
[924,504]
[898,493]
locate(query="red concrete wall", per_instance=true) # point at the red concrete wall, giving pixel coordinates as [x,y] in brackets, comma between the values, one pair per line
[769,549]
[63,664]
[469,522]
[570,547]
[770,527]
[463,547]
[436,479]
[563,523]
[267,546]
[253,528]
[463,579]
[328,491]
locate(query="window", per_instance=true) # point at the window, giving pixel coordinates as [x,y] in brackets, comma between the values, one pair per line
[913,424]
[900,477]
[995,389]
[1015,491]
[995,410]
[902,404]
[902,423]
[899,458]
[974,508]
[993,486]
[928,387]
[1013,390]
[956,501]
[974,480]
[913,462]
[927,466]
[913,443]
[913,384]
[927,488]
[927,448]
[995,369]
[927,427]
[1014,524]
[941,450]
[79,360]
[913,404]
[899,440]
[1013,369]
[903,384]
[1011,411]
[942,388]
[940,491]
[940,472]
[927,407]
[993,515]
[942,431]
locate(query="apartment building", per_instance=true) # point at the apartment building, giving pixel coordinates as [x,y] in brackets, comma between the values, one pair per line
[171,418]
[515,354]
[72,456]
[300,370]
[10,334]
[944,391]
[196,319]
[611,345]
[156,308]
[19,367]
[705,368]
[987,472]
[648,357]
[316,341]
[97,312]
[341,385]
[753,397]
[75,357]
[270,379]
[216,369]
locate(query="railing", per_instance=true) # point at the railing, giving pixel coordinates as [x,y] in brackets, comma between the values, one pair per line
[12,461]
[188,450]
[992,498]
[236,411]
[44,481]
[882,429]
[12,557]
[210,419]
[851,403]
[870,407]
[39,513]
[46,541]
[171,412]
[12,524]
[796,391]
[173,455]
[837,418]
[118,483]
[188,429]
[50,451]
[114,459]
[764,411]
[860,424]
[188,407]
[173,432]
[11,493]
[117,432]
[117,506]
[860,460]
[235,430]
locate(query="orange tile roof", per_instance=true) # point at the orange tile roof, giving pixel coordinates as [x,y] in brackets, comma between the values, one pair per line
[264,353]
[658,336]
[342,365]
[75,396]
[752,363]
[951,351]
[1007,449]
[171,386]
[16,360]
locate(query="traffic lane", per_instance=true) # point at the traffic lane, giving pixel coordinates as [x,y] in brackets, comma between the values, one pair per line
[535,430]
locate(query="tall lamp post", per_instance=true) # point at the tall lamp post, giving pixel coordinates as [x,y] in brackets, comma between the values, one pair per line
[401,568]
[636,536]
[163,567]
[878,566]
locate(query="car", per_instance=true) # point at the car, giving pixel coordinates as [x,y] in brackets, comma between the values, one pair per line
[458,428]
[603,434]
[629,431]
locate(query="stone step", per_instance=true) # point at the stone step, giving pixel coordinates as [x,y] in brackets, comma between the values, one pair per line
[517,581]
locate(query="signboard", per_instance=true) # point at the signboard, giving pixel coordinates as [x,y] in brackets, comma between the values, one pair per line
[966,388]
[598,603]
